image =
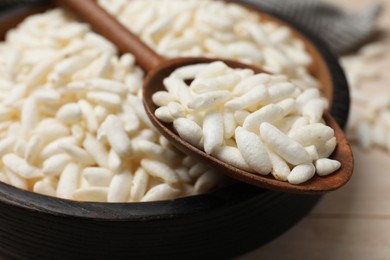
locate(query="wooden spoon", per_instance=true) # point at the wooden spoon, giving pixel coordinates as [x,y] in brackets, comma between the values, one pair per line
[159,68]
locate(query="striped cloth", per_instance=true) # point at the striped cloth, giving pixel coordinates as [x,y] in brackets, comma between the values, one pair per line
[342,30]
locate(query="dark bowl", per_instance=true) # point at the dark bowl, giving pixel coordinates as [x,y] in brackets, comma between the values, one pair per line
[220,224]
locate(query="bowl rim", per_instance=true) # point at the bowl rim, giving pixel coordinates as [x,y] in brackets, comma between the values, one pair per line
[167,209]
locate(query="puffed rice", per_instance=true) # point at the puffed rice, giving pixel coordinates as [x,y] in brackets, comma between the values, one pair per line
[59,83]
[270,135]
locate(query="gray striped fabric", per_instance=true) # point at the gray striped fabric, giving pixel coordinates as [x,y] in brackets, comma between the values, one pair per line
[342,30]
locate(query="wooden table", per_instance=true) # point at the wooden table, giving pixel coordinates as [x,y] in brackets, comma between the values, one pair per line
[353,222]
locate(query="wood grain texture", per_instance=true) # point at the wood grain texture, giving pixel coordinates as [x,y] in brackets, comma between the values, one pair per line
[350,223]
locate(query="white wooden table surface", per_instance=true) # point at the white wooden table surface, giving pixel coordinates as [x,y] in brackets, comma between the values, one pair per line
[353,222]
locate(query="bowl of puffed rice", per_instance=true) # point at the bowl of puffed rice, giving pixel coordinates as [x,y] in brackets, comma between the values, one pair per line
[81,164]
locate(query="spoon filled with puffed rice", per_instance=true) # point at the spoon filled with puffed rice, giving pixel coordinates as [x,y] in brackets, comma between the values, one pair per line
[256,127]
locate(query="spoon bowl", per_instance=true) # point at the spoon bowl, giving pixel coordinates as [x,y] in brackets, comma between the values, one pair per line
[342,153]
[159,68]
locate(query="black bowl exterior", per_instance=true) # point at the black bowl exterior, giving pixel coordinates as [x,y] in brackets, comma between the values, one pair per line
[221,224]
[213,226]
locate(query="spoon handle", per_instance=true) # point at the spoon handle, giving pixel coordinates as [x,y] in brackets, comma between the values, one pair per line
[107,26]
